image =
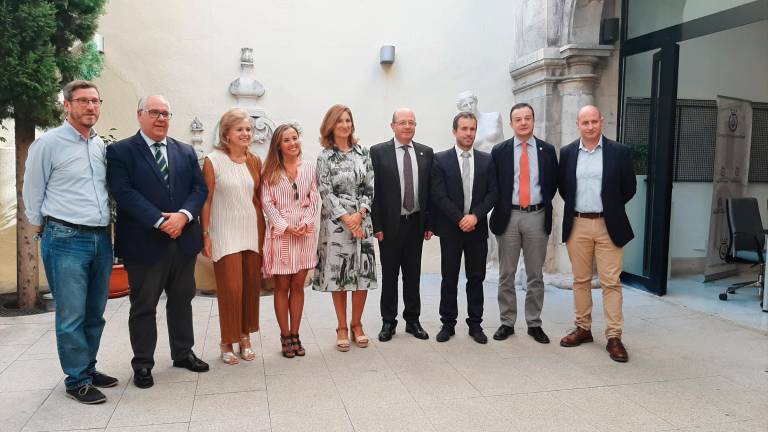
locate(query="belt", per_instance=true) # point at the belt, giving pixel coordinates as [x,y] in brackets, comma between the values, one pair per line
[409,216]
[76,226]
[530,208]
[589,215]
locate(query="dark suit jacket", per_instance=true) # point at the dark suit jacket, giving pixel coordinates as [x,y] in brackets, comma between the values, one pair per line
[503,155]
[619,186]
[137,186]
[448,194]
[387,203]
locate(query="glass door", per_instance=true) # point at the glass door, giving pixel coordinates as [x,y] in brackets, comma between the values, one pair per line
[648,109]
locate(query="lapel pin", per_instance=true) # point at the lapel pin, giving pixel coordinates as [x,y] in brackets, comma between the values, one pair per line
[421,153]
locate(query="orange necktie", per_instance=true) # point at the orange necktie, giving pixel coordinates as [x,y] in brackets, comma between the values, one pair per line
[525,178]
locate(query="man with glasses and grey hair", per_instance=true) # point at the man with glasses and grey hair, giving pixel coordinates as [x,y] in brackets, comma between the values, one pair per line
[400,215]
[65,197]
[159,190]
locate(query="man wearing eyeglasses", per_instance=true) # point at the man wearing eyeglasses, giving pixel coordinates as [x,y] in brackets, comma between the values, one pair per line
[65,196]
[401,170]
[159,190]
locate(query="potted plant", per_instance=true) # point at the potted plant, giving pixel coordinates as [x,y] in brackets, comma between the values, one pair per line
[118,282]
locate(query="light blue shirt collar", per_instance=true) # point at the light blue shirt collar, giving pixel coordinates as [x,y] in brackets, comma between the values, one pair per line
[598,146]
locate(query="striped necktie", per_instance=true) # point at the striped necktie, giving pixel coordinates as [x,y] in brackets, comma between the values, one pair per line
[162,164]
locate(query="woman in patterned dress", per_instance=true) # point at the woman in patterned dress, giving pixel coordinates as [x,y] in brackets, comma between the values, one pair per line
[346,260]
[233,232]
[289,196]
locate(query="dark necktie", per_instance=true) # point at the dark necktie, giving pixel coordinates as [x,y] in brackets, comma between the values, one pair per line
[162,164]
[408,202]
[466,179]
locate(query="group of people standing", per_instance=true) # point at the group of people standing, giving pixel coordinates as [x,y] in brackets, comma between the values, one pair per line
[398,194]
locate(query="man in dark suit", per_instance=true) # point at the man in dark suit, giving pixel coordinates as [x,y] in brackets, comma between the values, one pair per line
[463,191]
[159,190]
[526,173]
[596,182]
[401,170]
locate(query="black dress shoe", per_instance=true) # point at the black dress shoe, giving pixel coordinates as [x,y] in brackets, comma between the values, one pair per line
[445,333]
[192,363]
[538,335]
[142,378]
[416,330]
[387,331]
[102,380]
[504,332]
[478,335]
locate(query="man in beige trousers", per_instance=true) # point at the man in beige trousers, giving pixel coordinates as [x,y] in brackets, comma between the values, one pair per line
[596,182]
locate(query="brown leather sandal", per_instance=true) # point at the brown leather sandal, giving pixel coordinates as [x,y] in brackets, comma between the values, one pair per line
[297,348]
[287,346]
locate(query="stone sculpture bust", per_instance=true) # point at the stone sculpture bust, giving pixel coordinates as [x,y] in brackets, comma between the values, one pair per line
[489,127]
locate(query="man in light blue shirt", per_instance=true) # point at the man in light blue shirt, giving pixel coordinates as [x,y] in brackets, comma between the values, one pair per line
[65,196]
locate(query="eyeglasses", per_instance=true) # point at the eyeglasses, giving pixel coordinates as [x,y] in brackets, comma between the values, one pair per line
[295,191]
[83,102]
[157,113]
[406,123]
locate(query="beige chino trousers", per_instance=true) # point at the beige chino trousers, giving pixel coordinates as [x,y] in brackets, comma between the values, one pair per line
[589,240]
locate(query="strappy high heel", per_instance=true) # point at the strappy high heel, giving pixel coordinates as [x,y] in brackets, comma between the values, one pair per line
[246,352]
[287,346]
[342,344]
[297,348]
[228,357]
[361,340]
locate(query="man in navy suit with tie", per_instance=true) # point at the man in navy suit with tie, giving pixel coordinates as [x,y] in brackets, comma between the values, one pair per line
[526,170]
[159,190]
[463,189]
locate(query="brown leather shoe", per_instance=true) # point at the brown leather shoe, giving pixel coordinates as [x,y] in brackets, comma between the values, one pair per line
[576,338]
[616,350]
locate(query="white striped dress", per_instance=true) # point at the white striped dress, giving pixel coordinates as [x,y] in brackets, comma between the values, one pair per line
[233,225]
[284,253]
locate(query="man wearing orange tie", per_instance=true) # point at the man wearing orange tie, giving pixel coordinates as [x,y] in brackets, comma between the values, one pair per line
[526,175]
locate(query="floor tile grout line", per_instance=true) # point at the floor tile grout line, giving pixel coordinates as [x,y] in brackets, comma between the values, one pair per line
[202,350]
[264,374]
[45,399]
[125,388]
[333,380]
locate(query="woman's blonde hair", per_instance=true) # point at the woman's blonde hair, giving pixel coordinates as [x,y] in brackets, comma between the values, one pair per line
[329,122]
[274,163]
[228,120]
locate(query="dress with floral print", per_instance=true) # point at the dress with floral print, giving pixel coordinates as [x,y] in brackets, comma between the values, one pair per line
[345,183]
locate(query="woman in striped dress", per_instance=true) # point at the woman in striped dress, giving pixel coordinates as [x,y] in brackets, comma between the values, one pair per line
[233,231]
[290,198]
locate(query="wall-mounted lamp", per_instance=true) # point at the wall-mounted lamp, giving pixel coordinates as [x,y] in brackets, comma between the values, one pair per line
[99,41]
[387,54]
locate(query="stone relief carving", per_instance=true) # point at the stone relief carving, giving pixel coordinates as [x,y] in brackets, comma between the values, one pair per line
[196,129]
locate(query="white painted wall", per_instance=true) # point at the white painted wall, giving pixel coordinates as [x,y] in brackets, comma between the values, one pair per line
[309,55]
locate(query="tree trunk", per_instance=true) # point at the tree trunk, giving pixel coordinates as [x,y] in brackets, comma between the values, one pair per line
[27,267]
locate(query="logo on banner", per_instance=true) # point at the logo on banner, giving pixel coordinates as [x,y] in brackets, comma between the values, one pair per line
[733,120]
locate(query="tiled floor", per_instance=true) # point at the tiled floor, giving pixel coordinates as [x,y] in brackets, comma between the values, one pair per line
[743,307]
[689,370]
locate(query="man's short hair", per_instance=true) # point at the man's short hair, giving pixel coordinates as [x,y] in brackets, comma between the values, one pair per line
[75,85]
[517,106]
[461,115]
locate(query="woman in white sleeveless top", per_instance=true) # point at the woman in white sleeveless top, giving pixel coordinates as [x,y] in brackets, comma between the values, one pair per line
[233,231]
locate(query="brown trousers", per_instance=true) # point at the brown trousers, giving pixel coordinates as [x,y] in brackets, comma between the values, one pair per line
[238,287]
[590,240]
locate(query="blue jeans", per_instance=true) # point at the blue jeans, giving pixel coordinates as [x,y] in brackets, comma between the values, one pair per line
[78,265]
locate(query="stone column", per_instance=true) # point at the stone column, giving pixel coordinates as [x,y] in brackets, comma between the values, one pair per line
[557,82]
